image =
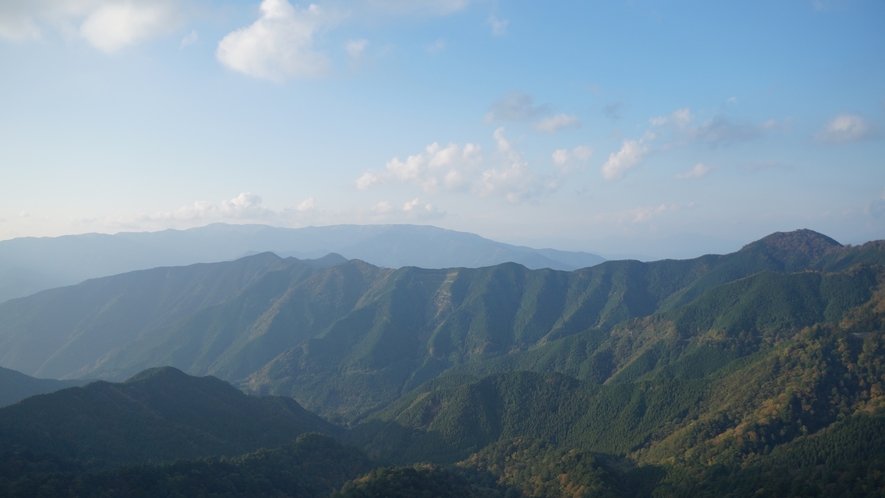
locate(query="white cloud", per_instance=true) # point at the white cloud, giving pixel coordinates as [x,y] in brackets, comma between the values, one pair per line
[436,167]
[499,26]
[279,45]
[631,154]
[114,26]
[246,206]
[383,207]
[700,170]
[457,168]
[516,106]
[411,205]
[108,25]
[513,179]
[679,118]
[845,128]
[308,204]
[417,209]
[558,122]
[563,158]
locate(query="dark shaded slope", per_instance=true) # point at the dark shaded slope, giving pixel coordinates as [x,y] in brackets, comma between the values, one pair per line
[313,465]
[16,386]
[160,414]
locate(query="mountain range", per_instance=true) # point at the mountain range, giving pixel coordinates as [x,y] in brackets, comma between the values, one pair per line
[756,372]
[30,264]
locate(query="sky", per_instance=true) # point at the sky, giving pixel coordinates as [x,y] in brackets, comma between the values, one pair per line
[579,125]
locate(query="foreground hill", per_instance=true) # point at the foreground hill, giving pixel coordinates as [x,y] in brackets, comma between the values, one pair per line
[312,465]
[29,264]
[160,414]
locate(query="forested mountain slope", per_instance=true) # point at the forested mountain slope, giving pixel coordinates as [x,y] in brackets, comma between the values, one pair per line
[352,338]
[16,386]
[160,414]
[760,372]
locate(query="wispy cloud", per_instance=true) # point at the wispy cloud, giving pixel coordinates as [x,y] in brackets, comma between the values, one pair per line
[519,107]
[722,131]
[558,122]
[679,118]
[716,131]
[189,40]
[516,106]
[355,48]
[630,156]
[499,26]
[613,111]
[436,47]
[700,170]
[846,128]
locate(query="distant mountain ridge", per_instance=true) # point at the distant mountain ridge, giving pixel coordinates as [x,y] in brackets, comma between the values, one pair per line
[29,264]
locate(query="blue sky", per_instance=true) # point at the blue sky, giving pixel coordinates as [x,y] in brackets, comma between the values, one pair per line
[598,126]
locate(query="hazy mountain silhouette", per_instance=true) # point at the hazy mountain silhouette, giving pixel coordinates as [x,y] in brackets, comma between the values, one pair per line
[30,264]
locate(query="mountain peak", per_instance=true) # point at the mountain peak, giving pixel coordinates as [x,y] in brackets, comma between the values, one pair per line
[796,249]
[803,241]
[158,373]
